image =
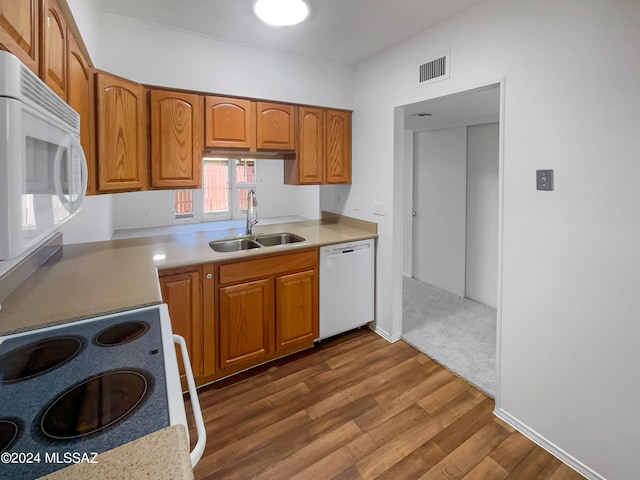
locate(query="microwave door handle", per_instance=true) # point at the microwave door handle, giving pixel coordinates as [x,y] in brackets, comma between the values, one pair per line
[74,205]
[70,142]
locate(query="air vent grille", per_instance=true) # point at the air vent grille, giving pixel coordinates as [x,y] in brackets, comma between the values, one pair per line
[38,93]
[434,70]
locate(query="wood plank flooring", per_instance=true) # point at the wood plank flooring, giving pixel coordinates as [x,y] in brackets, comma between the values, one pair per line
[357,407]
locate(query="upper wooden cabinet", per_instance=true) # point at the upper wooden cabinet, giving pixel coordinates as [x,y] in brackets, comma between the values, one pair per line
[230,123]
[323,154]
[337,165]
[80,98]
[310,153]
[122,134]
[275,126]
[53,68]
[249,125]
[19,30]
[177,139]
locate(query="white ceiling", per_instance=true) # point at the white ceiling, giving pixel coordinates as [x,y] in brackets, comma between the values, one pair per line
[473,107]
[341,31]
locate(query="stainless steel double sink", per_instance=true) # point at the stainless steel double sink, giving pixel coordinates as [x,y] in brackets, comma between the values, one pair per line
[247,242]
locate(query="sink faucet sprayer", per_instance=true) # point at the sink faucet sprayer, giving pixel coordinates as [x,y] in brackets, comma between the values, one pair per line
[251,219]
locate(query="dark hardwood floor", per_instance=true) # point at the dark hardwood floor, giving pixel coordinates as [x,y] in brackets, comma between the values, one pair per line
[357,407]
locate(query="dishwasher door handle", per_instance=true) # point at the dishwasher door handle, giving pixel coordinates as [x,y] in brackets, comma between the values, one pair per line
[198,449]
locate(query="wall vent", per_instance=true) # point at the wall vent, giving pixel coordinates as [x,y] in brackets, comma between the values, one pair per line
[434,70]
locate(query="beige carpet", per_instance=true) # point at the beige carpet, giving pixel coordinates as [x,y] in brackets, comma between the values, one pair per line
[456,332]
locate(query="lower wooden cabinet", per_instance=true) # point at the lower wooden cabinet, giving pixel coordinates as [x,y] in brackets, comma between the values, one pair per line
[267,308]
[238,314]
[296,309]
[184,291]
[246,323]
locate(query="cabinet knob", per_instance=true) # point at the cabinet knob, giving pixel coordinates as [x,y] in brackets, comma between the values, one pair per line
[209,276]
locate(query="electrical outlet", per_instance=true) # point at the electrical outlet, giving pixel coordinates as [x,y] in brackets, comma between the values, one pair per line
[544,179]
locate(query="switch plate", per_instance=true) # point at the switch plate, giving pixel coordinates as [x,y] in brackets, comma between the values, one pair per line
[544,179]
[379,208]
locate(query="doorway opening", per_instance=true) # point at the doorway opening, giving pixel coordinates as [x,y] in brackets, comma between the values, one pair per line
[451,240]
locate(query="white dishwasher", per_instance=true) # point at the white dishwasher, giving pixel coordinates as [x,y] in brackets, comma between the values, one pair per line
[347,275]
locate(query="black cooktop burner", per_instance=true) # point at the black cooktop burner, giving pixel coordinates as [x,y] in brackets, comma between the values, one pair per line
[121,333]
[94,404]
[8,433]
[37,358]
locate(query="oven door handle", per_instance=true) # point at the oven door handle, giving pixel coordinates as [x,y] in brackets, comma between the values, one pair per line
[198,450]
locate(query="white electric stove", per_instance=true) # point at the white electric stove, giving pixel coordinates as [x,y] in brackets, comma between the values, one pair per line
[71,391]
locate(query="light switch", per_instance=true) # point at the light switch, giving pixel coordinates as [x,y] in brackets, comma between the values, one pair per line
[544,179]
[379,208]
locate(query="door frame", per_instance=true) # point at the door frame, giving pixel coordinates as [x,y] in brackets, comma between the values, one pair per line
[401,210]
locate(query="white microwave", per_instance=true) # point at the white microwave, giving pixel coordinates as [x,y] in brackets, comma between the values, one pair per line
[43,170]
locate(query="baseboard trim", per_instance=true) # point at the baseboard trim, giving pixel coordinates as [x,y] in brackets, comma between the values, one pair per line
[383,333]
[547,445]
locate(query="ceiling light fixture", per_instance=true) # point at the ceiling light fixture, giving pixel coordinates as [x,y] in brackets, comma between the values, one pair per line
[280,13]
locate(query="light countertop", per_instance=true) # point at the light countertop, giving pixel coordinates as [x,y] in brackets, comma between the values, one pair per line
[106,277]
[160,455]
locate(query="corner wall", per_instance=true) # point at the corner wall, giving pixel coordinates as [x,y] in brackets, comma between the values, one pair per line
[569,335]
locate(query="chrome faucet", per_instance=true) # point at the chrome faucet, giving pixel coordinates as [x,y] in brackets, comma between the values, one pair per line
[251,219]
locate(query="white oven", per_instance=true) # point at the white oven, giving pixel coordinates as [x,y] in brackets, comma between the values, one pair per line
[43,170]
[90,386]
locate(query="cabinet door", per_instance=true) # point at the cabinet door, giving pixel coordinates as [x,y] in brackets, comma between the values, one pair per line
[230,123]
[310,152]
[338,146]
[54,49]
[275,126]
[122,142]
[177,137]
[296,309]
[19,27]
[79,97]
[181,292]
[246,323]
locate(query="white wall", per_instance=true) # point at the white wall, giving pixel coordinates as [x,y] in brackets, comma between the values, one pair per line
[481,278]
[439,200]
[569,336]
[156,55]
[85,13]
[93,223]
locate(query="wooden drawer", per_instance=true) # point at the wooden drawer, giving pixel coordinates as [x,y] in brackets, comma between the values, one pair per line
[244,270]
